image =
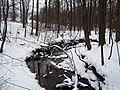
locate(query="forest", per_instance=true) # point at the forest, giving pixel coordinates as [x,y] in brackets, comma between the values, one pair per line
[59,44]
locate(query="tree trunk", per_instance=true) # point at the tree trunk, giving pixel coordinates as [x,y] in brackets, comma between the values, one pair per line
[74,15]
[0,17]
[85,26]
[118,21]
[102,21]
[32,17]
[26,17]
[23,18]
[110,21]
[90,17]
[58,16]
[4,35]
[49,14]
[71,16]
[102,26]
[13,5]
[5,13]
[37,18]
[46,14]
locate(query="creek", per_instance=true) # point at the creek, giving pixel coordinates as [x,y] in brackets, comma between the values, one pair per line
[48,74]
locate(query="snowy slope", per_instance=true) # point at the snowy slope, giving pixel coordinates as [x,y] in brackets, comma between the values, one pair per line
[15,75]
[110,71]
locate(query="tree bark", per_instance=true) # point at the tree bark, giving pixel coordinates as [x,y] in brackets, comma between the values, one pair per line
[71,24]
[0,16]
[58,16]
[37,18]
[46,14]
[90,17]
[85,26]
[32,17]
[110,21]
[23,14]
[5,13]
[74,15]
[102,21]
[118,21]
[102,26]
[13,5]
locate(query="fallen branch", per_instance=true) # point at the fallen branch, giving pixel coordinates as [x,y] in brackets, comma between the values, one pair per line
[23,40]
[86,64]
[12,57]
[92,68]
[74,68]
[18,85]
[111,49]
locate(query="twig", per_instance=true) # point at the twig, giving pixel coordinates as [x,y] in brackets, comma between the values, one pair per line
[66,54]
[25,71]
[23,40]
[86,64]
[12,57]
[3,82]
[7,69]
[76,35]
[18,85]
[8,39]
[111,49]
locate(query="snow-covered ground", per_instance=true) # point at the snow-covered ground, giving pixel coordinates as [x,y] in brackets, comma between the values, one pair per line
[15,75]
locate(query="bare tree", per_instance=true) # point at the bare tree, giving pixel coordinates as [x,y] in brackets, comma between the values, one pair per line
[32,16]
[58,16]
[37,18]
[25,7]
[21,16]
[110,27]
[23,13]
[27,3]
[90,13]
[13,5]
[0,16]
[5,5]
[102,26]
[85,25]
[118,28]
[102,21]
[49,14]
[74,8]
[46,14]
[110,20]
[95,20]
[118,21]
[70,19]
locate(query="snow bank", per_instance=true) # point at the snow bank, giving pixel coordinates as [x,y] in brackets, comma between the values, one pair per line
[14,73]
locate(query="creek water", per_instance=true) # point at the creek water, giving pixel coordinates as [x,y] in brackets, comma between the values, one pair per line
[48,75]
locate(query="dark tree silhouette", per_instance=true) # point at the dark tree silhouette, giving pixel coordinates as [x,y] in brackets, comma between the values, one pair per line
[32,17]
[0,17]
[102,26]
[118,21]
[5,16]
[37,18]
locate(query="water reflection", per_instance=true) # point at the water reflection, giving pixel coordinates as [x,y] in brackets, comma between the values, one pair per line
[48,75]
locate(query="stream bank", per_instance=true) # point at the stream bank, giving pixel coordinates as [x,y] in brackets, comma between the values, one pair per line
[48,74]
